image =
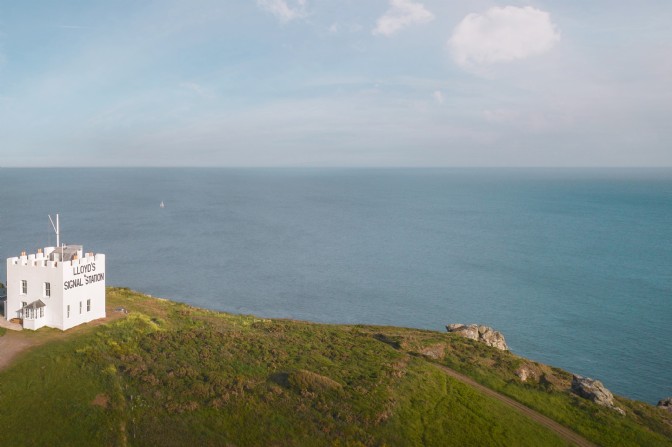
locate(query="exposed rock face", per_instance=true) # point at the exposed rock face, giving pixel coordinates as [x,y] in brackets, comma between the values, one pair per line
[484,334]
[666,404]
[594,390]
[525,373]
[434,352]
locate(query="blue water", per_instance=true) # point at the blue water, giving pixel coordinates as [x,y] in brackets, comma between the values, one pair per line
[573,266]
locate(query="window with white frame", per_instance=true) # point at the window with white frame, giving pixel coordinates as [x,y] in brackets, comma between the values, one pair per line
[24,287]
[80,307]
[41,312]
[88,305]
[68,313]
[47,289]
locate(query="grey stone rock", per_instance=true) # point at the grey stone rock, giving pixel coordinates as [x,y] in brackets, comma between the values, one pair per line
[665,404]
[525,373]
[595,391]
[483,334]
[435,352]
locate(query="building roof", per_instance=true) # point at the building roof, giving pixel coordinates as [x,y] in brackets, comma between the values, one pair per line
[34,305]
[65,253]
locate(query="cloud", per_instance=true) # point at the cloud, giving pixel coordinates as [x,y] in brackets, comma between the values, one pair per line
[401,14]
[285,11]
[438,97]
[197,89]
[344,27]
[502,35]
[500,115]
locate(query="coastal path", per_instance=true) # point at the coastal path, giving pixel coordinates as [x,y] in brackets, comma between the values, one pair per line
[559,429]
[11,344]
[15,342]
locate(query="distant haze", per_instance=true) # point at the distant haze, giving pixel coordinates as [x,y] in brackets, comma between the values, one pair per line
[335,83]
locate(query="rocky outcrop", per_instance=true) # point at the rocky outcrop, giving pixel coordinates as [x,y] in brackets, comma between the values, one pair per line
[595,391]
[435,352]
[665,404]
[525,372]
[483,334]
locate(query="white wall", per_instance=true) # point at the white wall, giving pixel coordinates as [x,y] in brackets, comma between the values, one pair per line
[36,275]
[90,273]
[88,282]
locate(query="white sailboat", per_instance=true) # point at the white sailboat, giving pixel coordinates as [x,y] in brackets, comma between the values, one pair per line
[162,205]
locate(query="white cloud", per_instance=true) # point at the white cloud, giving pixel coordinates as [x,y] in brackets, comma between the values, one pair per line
[438,97]
[502,35]
[500,115]
[401,14]
[197,89]
[340,28]
[284,10]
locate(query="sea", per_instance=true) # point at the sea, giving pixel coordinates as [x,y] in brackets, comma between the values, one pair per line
[573,266]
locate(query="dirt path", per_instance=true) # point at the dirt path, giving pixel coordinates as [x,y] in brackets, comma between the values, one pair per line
[15,342]
[562,431]
[11,344]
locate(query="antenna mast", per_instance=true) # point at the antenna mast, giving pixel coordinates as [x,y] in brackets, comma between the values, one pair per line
[57,229]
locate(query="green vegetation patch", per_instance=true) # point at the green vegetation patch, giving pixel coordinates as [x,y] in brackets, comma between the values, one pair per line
[547,390]
[169,374]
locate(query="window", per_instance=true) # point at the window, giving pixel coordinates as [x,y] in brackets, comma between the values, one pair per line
[68,311]
[88,305]
[47,289]
[41,312]
[80,307]
[24,287]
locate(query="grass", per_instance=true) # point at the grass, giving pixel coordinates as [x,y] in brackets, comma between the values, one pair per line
[548,392]
[169,374]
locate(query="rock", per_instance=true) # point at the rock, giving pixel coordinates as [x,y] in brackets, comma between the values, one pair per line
[665,404]
[495,339]
[435,352]
[481,333]
[525,373]
[594,390]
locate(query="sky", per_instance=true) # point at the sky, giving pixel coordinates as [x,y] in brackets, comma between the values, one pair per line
[342,83]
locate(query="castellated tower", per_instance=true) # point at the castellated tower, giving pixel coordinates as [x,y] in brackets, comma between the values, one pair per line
[59,287]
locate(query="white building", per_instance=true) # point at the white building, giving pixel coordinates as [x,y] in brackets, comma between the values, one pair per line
[59,287]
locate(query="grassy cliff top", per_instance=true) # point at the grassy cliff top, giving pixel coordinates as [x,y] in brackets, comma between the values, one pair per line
[169,374]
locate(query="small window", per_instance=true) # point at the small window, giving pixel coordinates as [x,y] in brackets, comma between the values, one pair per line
[80,307]
[47,289]
[24,287]
[88,305]
[68,311]
[41,312]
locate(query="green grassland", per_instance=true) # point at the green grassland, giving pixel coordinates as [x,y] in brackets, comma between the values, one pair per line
[172,375]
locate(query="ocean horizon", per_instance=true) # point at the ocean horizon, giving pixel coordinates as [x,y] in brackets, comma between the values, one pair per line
[572,265]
